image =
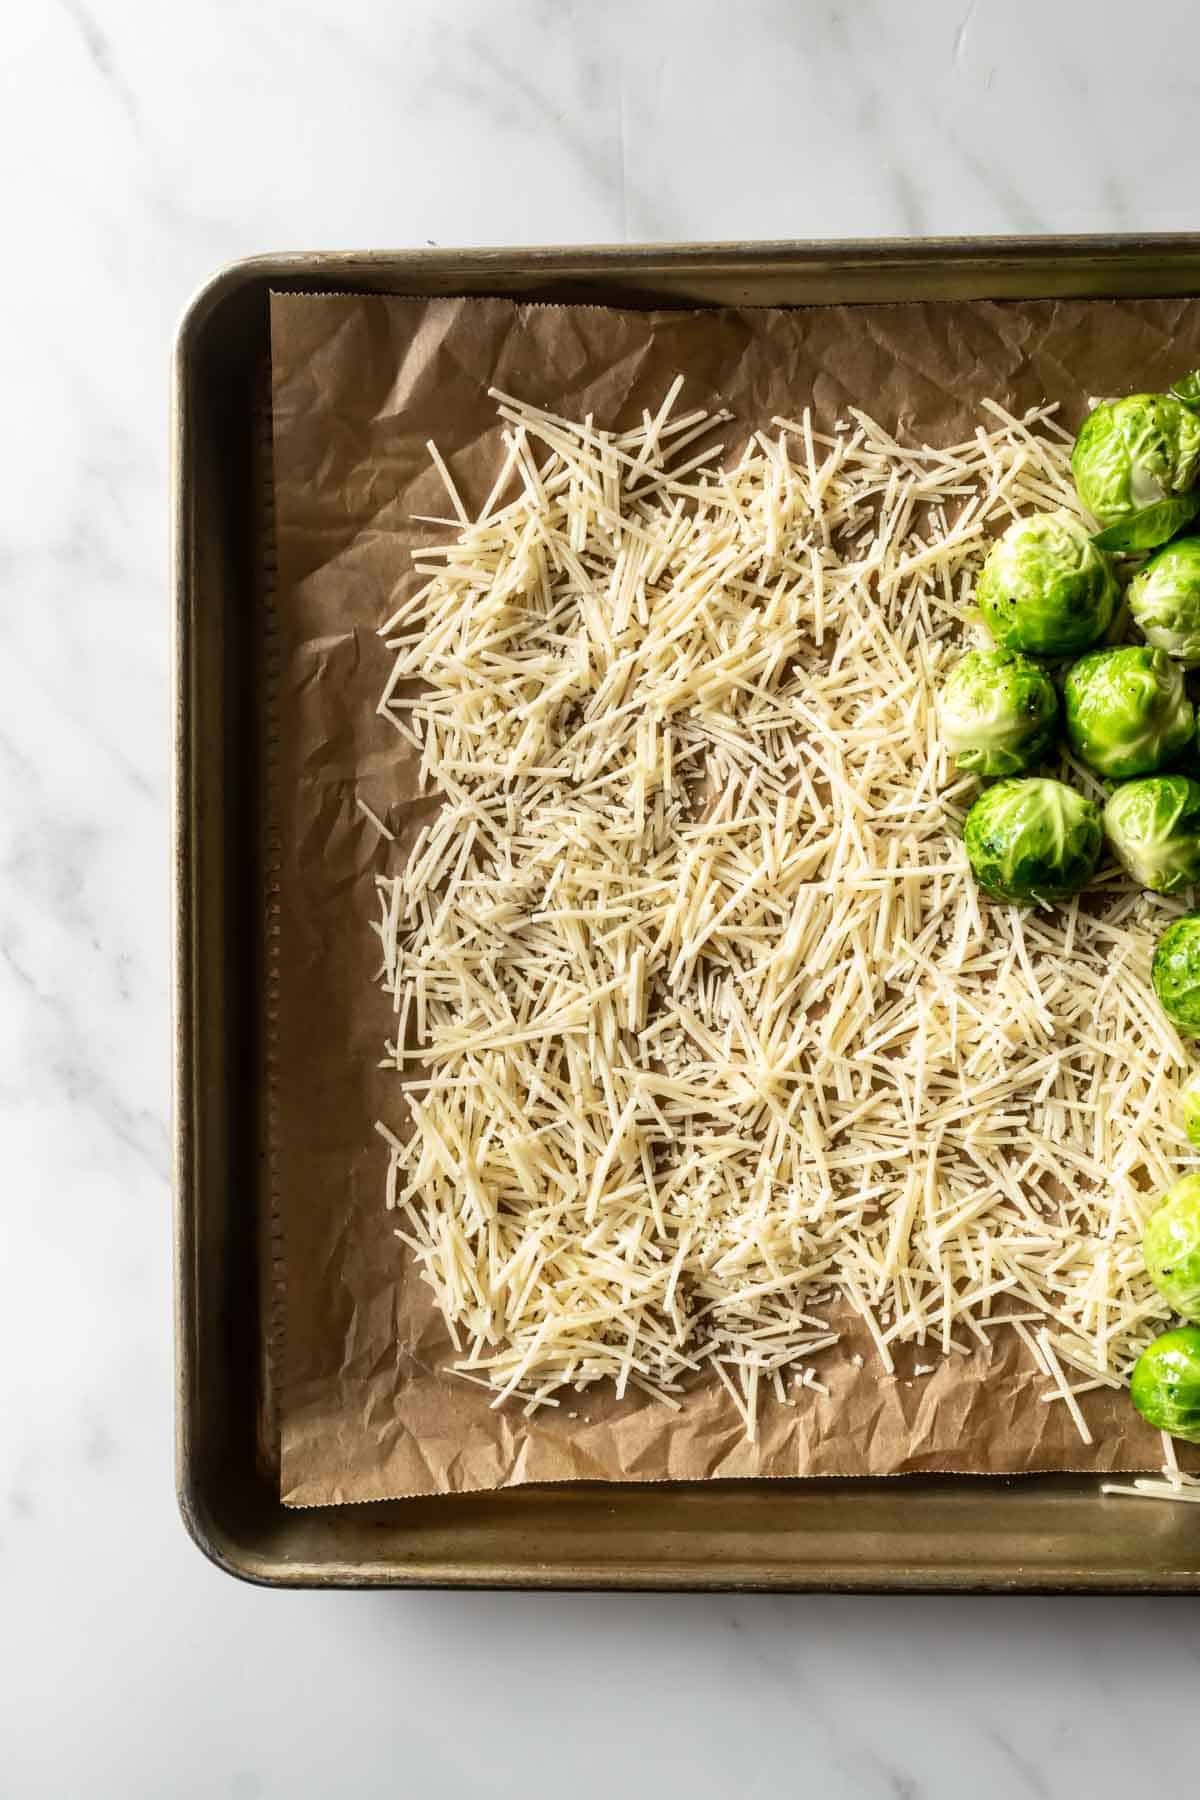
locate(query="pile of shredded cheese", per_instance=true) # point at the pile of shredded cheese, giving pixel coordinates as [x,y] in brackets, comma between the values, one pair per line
[706,1032]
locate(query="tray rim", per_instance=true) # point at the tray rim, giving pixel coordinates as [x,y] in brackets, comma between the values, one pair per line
[1044,261]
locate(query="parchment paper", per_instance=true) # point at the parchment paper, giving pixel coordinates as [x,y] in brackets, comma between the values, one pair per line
[358,385]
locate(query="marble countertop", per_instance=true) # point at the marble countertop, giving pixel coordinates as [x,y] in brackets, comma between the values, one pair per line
[143,146]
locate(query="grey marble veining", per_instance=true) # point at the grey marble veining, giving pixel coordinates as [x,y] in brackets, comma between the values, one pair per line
[143,145]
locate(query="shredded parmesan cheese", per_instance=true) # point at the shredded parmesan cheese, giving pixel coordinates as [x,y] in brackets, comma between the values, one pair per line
[720,1041]
[374,819]
[1173,1485]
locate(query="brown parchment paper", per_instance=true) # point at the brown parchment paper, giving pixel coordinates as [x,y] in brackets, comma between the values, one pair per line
[358,385]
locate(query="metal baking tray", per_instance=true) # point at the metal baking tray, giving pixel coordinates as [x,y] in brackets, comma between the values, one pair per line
[1039,1534]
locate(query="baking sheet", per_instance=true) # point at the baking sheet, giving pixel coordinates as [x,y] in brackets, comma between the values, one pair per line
[359,384]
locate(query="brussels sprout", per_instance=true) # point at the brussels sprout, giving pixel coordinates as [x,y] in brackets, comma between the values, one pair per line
[1127,711]
[1171,1247]
[1134,462]
[1189,1108]
[1166,1383]
[1175,972]
[1046,588]
[997,712]
[1164,599]
[1154,828]
[1035,839]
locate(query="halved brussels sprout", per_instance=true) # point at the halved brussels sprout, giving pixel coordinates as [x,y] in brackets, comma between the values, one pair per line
[1134,462]
[1127,711]
[1171,1247]
[1175,972]
[1154,827]
[1164,599]
[1189,1108]
[1166,1383]
[997,712]
[1045,587]
[1032,839]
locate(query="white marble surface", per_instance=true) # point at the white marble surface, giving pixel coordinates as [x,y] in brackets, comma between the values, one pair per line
[143,144]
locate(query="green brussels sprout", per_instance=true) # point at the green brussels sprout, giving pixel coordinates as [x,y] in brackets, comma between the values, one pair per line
[1175,972]
[1045,588]
[997,712]
[1127,711]
[1166,1383]
[1032,839]
[1134,464]
[1171,1247]
[1164,599]
[1189,1108]
[1154,828]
